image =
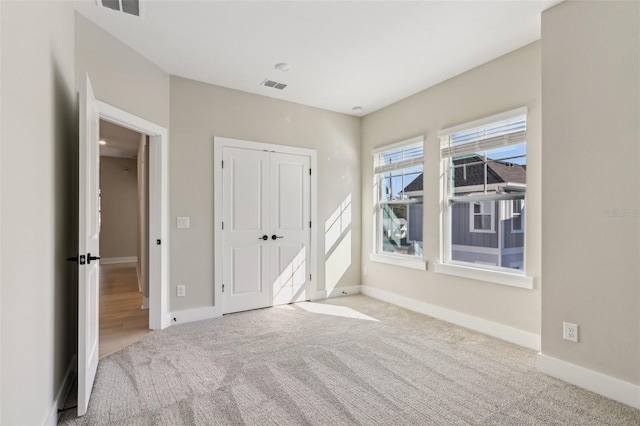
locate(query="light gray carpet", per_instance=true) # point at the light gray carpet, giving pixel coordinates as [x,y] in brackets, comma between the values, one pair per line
[313,364]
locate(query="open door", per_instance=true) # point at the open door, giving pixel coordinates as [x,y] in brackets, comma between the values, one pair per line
[88,244]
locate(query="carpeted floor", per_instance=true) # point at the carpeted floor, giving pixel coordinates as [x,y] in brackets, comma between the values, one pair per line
[350,360]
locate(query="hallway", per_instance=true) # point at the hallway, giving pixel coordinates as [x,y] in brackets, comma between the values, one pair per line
[122,322]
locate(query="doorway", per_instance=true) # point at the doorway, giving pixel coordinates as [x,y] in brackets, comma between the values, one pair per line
[124,241]
[265,199]
[158,208]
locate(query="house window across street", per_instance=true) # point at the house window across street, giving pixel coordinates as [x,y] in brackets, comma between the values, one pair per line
[484,191]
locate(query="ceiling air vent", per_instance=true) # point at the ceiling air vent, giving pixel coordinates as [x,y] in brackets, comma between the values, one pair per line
[131,7]
[273,84]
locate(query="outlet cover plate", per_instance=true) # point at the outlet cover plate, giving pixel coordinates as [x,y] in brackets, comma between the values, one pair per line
[183,222]
[570,332]
[180,290]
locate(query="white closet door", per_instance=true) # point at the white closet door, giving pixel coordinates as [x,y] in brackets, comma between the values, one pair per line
[290,213]
[246,221]
[266,237]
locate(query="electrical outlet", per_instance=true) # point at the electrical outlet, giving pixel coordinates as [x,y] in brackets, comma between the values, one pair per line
[570,331]
[180,290]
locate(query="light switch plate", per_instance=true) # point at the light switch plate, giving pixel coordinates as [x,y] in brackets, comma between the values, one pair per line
[183,222]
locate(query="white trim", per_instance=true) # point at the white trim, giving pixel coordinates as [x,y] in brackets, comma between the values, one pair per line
[159,315]
[218,144]
[483,274]
[475,249]
[483,122]
[342,291]
[109,260]
[610,387]
[196,314]
[399,260]
[63,393]
[500,331]
[407,143]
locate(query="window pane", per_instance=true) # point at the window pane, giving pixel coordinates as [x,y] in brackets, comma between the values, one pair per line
[502,248]
[402,229]
[500,170]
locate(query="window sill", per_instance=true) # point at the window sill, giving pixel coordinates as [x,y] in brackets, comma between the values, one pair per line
[496,277]
[405,262]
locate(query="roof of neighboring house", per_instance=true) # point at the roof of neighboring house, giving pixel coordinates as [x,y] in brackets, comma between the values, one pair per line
[415,185]
[497,172]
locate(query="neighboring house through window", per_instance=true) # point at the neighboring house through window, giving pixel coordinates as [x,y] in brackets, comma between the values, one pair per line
[399,210]
[484,189]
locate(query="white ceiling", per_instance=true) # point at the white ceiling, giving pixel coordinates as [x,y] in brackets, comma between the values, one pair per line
[342,53]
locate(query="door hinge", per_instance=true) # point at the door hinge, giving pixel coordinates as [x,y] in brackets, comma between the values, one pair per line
[309,277]
[158,242]
[309,224]
[222,225]
[309,172]
[223,288]
[223,164]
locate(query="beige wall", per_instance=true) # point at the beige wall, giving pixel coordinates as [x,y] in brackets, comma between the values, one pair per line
[500,85]
[120,76]
[119,207]
[201,111]
[39,208]
[591,155]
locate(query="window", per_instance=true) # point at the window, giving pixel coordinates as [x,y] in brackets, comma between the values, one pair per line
[484,188]
[482,216]
[399,192]
[517,219]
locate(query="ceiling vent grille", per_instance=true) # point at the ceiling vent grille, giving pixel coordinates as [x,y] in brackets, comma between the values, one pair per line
[273,84]
[131,7]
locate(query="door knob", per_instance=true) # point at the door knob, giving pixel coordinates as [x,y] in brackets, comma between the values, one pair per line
[77,259]
[275,237]
[90,258]
[264,237]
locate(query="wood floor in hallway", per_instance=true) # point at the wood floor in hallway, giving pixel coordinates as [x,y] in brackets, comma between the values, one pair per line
[122,321]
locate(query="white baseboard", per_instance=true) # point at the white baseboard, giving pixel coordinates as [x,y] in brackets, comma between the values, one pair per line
[336,292]
[145,303]
[108,260]
[608,386]
[63,392]
[343,291]
[197,314]
[510,334]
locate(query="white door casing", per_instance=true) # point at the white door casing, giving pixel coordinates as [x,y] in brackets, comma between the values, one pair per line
[266,212]
[88,244]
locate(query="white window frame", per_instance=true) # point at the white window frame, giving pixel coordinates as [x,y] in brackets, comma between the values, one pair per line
[377,254]
[491,213]
[498,275]
[520,215]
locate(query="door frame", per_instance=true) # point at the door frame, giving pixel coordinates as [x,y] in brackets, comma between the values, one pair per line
[159,315]
[218,144]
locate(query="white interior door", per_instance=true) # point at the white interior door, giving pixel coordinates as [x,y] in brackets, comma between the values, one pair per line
[290,186]
[266,236]
[88,245]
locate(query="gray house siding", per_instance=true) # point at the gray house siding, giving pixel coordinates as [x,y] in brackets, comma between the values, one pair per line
[461,233]
[415,222]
